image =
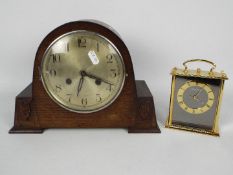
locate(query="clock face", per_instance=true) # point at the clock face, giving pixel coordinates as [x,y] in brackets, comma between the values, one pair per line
[83,71]
[195,97]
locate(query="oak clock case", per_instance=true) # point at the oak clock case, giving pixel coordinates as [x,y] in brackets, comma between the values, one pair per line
[83,78]
[195,99]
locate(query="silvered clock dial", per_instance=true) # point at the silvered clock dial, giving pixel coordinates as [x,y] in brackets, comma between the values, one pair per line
[83,71]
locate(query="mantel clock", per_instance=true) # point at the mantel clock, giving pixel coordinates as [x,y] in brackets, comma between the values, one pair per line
[83,78]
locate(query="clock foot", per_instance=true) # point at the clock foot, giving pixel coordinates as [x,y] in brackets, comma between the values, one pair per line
[147,130]
[145,121]
[16,130]
[24,122]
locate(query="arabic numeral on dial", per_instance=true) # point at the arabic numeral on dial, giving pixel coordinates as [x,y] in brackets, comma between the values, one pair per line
[109,58]
[98,98]
[113,73]
[58,88]
[52,72]
[56,58]
[67,47]
[84,101]
[82,42]
[97,47]
[109,88]
[69,97]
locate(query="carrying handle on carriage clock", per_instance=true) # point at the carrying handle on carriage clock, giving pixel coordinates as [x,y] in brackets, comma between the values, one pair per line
[199,60]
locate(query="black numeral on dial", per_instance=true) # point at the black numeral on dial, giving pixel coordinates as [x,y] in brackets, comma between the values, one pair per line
[84,101]
[69,97]
[109,87]
[58,88]
[52,72]
[67,47]
[109,58]
[98,98]
[113,73]
[97,47]
[56,58]
[82,42]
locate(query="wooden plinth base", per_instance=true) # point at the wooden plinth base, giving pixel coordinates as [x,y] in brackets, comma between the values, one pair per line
[145,121]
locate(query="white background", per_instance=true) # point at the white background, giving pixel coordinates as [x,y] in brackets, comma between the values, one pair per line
[160,35]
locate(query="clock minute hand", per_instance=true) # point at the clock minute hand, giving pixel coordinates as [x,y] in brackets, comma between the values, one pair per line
[97,78]
[199,92]
[196,95]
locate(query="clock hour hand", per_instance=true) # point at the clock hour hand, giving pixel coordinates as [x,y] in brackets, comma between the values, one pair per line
[98,79]
[196,95]
[80,84]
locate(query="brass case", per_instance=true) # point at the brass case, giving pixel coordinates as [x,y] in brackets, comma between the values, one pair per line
[198,73]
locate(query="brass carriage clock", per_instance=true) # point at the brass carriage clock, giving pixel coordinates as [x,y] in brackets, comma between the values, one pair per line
[195,99]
